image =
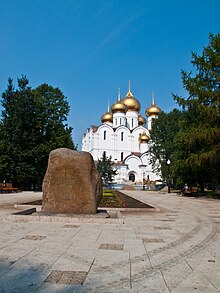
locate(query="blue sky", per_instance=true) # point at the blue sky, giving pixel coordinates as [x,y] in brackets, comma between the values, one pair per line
[89,48]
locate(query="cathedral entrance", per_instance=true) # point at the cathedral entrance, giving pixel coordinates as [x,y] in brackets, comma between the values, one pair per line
[131,177]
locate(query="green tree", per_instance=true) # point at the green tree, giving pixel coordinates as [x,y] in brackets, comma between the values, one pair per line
[106,170]
[52,131]
[198,142]
[17,135]
[164,130]
[33,123]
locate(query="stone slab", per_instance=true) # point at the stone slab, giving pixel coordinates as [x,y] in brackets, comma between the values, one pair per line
[187,261]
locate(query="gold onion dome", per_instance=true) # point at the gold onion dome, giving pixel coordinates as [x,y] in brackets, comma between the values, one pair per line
[153,110]
[119,106]
[141,120]
[144,138]
[107,117]
[129,100]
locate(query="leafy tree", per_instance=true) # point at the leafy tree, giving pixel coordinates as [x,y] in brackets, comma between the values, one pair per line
[164,130]
[32,125]
[105,169]
[198,142]
[17,135]
[52,131]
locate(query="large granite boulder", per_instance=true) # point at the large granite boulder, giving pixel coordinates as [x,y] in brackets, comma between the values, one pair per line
[71,184]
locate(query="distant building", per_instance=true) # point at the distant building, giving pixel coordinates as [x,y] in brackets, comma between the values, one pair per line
[124,136]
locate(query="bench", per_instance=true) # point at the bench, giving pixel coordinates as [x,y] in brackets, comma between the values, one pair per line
[189,193]
[186,193]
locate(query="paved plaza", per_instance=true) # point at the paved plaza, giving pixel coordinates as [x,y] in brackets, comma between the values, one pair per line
[173,249]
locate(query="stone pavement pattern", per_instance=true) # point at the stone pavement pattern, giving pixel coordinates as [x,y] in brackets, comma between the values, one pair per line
[174,250]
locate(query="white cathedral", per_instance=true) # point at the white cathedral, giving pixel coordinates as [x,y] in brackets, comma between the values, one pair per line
[124,137]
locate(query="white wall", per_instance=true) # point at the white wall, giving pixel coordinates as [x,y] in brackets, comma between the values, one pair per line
[136,132]
[133,163]
[113,145]
[119,119]
[132,119]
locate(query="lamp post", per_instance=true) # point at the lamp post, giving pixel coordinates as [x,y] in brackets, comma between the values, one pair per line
[168,183]
[143,181]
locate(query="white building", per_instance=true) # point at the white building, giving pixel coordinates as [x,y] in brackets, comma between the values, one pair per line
[124,136]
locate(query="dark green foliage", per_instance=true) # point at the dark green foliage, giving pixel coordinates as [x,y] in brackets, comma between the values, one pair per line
[164,130]
[190,139]
[33,124]
[198,142]
[17,135]
[51,129]
[105,169]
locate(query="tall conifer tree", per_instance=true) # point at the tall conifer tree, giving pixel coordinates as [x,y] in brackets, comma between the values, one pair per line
[198,141]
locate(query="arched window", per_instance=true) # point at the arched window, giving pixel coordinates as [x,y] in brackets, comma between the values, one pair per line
[104,135]
[122,156]
[120,121]
[132,122]
[122,136]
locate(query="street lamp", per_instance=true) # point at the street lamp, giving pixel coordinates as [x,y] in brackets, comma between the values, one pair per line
[168,164]
[143,181]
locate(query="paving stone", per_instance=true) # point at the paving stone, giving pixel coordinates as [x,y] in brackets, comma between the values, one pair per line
[110,246]
[162,228]
[134,246]
[54,277]
[168,220]
[71,226]
[195,283]
[149,282]
[152,259]
[75,261]
[66,277]
[152,240]
[34,237]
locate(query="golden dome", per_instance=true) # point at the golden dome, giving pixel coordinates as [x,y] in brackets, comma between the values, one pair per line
[153,110]
[141,120]
[119,106]
[143,138]
[107,117]
[131,103]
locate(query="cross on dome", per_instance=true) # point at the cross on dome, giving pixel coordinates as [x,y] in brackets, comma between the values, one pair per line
[153,110]
[129,100]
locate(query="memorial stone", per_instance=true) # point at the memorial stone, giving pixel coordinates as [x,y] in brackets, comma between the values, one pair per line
[71,184]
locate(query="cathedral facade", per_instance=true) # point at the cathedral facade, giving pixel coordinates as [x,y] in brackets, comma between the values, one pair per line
[124,136]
